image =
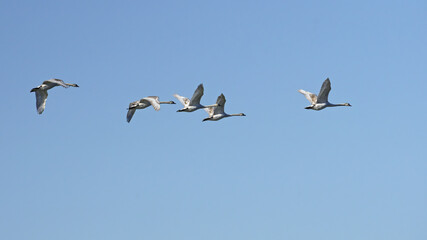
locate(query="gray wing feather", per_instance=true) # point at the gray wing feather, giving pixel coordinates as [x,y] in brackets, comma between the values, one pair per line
[41,97]
[195,100]
[221,103]
[130,114]
[324,92]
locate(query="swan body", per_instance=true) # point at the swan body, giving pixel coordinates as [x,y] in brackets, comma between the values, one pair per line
[144,103]
[217,112]
[319,102]
[193,104]
[41,91]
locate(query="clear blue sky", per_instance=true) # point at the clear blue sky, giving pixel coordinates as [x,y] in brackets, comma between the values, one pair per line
[80,171]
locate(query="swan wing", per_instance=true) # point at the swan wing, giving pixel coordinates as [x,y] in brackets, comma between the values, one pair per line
[154,101]
[185,101]
[156,98]
[41,96]
[210,111]
[221,103]
[311,97]
[324,91]
[195,100]
[130,114]
[55,82]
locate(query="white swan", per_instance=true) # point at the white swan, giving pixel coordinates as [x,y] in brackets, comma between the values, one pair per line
[41,91]
[217,113]
[193,104]
[144,103]
[321,101]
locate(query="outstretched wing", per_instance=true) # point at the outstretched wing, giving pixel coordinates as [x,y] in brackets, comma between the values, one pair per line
[221,103]
[210,111]
[195,99]
[324,91]
[311,97]
[154,101]
[55,82]
[185,101]
[41,96]
[130,114]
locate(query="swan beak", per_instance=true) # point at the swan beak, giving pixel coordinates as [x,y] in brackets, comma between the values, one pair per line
[243,114]
[205,119]
[173,102]
[349,105]
[76,85]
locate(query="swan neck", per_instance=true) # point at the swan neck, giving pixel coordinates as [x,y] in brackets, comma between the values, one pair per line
[337,105]
[213,105]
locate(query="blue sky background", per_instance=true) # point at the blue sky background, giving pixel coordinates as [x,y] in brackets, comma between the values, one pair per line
[80,171]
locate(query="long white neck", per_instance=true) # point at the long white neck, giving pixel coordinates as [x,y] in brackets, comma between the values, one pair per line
[338,105]
[170,102]
[235,114]
[213,105]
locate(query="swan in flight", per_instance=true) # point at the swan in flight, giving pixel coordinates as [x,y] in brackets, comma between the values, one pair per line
[144,103]
[321,101]
[217,113]
[193,104]
[41,91]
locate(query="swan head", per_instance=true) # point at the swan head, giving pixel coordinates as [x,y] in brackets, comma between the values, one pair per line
[206,119]
[35,89]
[172,102]
[242,114]
[347,104]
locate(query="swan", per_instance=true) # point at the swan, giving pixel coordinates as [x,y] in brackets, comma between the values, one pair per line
[144,103]
[217,113]
[193,104]
[321,101]
[41,91]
